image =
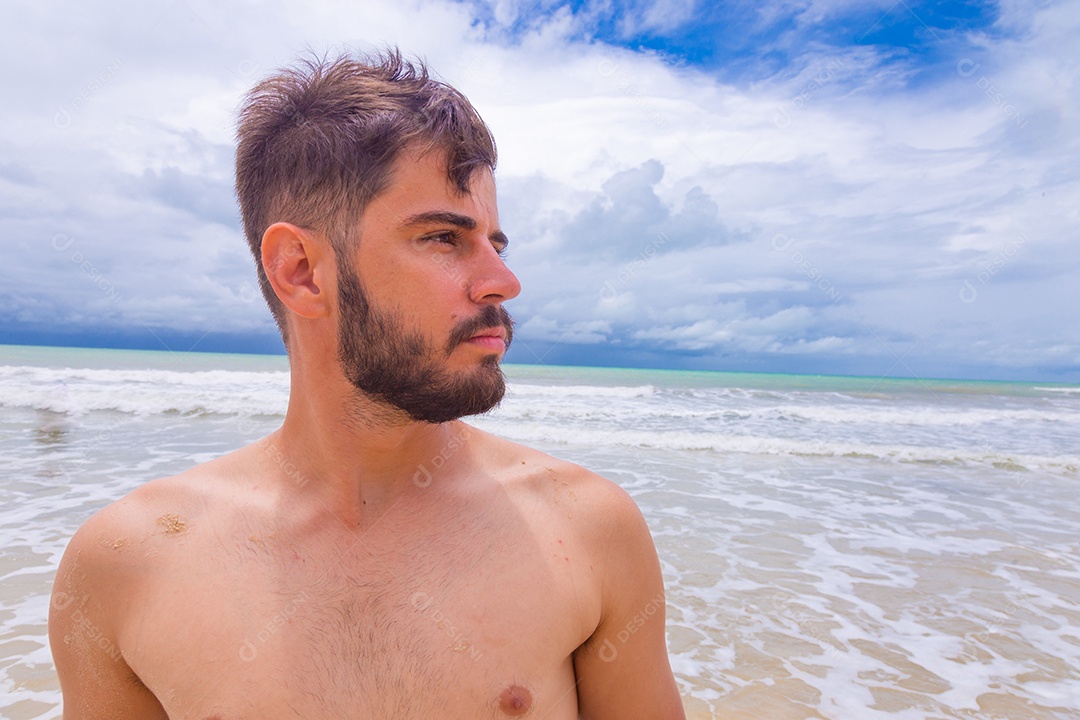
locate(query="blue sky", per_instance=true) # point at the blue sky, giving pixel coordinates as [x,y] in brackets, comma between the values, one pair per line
[819,186]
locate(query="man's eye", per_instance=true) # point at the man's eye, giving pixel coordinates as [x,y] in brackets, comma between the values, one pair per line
[444,238]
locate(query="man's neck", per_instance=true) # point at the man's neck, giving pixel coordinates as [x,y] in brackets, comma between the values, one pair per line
[360,455]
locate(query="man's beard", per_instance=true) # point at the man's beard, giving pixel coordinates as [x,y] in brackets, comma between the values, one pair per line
[386,363]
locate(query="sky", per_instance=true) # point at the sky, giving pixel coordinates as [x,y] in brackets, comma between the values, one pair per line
[808,186]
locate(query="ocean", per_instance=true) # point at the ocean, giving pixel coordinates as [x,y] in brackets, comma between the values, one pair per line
[833,547]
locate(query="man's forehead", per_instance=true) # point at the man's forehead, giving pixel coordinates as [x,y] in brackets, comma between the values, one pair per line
[420,187]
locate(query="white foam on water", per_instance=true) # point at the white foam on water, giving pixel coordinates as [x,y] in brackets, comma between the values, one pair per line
[924,416]
[839,574]
[588,391]
[144,392]
[1064,390]
[537,432]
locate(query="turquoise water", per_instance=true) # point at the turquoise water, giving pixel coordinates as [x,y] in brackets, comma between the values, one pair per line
[851,384]
[104,358]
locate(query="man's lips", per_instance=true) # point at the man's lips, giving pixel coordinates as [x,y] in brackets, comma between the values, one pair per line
[492,328]
[493,338]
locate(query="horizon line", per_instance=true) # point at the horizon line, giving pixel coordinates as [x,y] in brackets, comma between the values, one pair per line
[876,378]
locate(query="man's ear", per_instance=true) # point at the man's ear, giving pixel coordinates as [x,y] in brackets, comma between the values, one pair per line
[300,265]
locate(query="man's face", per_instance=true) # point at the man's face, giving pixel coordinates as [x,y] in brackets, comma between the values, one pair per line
[425,330]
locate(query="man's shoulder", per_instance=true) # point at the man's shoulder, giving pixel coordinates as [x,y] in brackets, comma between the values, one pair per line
[598,507]
[122,555]
[129,533]
[111,537]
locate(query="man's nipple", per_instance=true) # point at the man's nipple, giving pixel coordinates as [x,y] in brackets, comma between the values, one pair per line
[515,701]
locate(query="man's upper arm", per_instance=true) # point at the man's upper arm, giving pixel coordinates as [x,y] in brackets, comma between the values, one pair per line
[88,601]
[623,669]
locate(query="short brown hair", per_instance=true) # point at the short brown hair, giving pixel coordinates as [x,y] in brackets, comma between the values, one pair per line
[317,142]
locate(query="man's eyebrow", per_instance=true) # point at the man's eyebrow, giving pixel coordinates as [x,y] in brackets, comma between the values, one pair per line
[439,217]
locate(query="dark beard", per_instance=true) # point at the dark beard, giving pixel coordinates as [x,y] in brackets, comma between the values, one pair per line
[386,363]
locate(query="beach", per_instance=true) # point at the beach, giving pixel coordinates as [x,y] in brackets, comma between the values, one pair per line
[832,547]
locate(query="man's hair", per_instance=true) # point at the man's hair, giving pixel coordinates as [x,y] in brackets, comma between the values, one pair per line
[317,142]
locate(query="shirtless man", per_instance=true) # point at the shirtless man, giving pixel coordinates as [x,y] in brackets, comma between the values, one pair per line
[375,557]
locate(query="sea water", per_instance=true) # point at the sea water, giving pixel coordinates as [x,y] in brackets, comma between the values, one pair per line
[832,547]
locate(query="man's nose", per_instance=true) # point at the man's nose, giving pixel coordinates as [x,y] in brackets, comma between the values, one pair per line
[492,280]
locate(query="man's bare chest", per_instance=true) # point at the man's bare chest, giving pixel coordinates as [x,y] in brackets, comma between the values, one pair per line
[483,628]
